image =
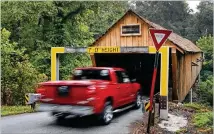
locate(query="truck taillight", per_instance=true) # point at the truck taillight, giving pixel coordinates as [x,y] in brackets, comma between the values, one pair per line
[41,91]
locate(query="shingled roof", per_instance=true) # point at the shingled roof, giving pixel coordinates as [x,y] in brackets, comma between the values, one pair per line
[183,43]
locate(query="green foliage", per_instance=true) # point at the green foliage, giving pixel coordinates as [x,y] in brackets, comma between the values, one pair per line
[177,16]
[203,119]
[202,116]
[174,15]
[12,110]
[206,44]
[204,18]
[37,26]
[198,107]
[206,85]
[205,92]
[18,74]
[194,106]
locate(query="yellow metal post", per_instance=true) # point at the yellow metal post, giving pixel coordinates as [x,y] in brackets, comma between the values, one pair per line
[54,63]
[164,72]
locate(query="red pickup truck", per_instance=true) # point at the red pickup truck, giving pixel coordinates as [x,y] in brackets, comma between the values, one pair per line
[92,91]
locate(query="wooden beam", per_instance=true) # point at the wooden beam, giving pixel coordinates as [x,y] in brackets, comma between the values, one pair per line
[174,75]
[93,60]
[184,78]
[180,78]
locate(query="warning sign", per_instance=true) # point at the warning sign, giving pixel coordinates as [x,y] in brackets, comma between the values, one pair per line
[159,37]
[147,105]
[103,50]
[26,98]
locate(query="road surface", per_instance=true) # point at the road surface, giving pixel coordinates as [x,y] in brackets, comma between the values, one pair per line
[43,123]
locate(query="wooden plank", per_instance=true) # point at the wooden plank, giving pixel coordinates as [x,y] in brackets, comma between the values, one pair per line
[129,41]
[142,35]
[190,73]
[138,37]
[144,31]
[108,40]
[103,41]
[134,38]
[147,34]
[181,78]
[128,20]
[118,35]
[188,66]
[113,37]
[122,38]
[93,60]
[178,77]
[174,75]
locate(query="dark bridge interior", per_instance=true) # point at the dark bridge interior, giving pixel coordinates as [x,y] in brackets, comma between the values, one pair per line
[139,66]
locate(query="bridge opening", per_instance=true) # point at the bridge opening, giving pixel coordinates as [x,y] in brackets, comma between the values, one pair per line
[139,66]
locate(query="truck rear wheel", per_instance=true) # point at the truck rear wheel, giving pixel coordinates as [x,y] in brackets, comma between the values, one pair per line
[107,114]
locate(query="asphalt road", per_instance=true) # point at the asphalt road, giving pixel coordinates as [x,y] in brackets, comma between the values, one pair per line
[43,123]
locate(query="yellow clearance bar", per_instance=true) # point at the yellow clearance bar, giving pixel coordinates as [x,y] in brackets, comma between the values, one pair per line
[103,50]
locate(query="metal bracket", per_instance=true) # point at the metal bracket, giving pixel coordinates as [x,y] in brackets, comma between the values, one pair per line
[163,102]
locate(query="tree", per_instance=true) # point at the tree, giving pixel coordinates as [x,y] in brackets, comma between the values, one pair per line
[174,15]
[206,45]
[38,26]
[204,18]
[205,92]
[18,74]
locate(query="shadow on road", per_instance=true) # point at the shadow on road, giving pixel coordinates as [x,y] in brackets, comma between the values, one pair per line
[89,121]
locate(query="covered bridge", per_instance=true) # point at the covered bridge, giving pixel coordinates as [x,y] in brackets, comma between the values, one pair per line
[132,30]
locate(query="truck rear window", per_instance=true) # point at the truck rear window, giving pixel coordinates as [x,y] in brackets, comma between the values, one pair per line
[91,74]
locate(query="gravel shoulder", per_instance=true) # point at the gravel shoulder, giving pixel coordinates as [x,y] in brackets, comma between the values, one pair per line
[175,110]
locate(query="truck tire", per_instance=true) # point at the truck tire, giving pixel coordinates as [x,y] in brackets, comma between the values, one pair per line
[107,114]
[60,119]
[137,101]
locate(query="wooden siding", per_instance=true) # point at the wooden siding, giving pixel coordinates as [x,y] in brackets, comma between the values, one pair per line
[113,36]
[188,73]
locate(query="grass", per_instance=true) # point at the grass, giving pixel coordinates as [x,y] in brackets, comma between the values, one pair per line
[198,107]
[12,110]
[202,118]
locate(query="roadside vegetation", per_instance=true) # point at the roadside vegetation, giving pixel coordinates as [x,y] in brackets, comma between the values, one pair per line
[201,117]
[12,110]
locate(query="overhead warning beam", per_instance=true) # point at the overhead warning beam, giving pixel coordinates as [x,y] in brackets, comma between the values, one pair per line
[143,49]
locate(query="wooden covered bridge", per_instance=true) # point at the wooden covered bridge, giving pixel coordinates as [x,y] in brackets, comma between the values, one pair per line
[132,31]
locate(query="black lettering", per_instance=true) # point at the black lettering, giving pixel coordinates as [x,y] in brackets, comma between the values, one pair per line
[115,50]
[96,50]
[103,50]
[89,50]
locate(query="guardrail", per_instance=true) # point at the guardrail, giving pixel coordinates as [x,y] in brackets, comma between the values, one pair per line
[146,104]
[31,99]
